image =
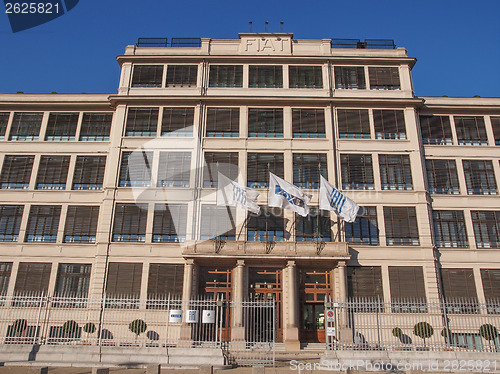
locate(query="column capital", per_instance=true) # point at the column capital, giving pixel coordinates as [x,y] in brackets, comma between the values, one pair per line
[341,264]
[291,264]
[189,261]
[240,263]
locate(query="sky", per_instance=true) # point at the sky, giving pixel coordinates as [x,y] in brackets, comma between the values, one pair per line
[456,43]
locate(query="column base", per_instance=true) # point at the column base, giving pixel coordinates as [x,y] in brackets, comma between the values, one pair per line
[238,334]
[292,342]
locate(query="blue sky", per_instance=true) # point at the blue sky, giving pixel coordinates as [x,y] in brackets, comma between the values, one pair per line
[457,43]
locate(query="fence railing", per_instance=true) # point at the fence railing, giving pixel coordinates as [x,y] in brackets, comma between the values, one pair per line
[413,325]
[163,42]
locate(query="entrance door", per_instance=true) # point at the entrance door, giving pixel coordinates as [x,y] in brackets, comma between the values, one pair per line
[315,285]
[265,285]
[215,283]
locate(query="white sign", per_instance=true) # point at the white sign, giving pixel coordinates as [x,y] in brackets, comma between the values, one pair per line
[175,315]
[208,316]
[192,316]
[330,316]
[330,331]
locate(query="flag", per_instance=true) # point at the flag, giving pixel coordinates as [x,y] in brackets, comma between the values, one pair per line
[285,195]
[230,193]
[332,199]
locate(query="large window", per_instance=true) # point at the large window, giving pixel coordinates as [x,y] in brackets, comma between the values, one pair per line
[265,123]
[177,122]
[130,223]
[218,221]
[169,223]
[16,172]
[384,78]
[266,76]
[26,126]
[305,76]
[5,272]
[316,226]
[365,282]
[495,123]
[401,226]
[265,226]
[165,280]
[449,228]
[89,172]
[308,123]
[395,172]
[96,126]
[458,286]
[260,164]
[135,169]
[142,122]
[4,120]
[357,172]
[407,285]
[62,126]
[124,280]
[223,122]
[364,230]
[442,176]
[10,222]
[52,173]
[350,77]
[43,223]
[32,277]
[175,169]
[81,224]
[486,228]
[471,130]
[73,280]
[353,123]
[480,177]
[307,167]
[182,75]
[224,162]
[436,130]
[147,76]
[389,124]
[491,287]
[226,76]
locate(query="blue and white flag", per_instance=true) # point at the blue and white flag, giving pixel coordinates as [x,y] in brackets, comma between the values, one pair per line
[285,195]
[332,199]
[230,193]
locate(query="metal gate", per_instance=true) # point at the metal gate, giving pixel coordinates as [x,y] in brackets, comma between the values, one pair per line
[258,338]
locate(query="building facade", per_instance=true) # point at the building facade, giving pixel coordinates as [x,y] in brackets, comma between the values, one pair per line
[116,193]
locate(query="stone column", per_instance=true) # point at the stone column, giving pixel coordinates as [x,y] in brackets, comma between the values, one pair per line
[292,342]
[237,328]
[342,280]
[187,290]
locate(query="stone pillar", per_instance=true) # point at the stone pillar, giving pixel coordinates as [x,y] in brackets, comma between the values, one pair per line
[237,328]
[187,290]
[342,280]
[292,342]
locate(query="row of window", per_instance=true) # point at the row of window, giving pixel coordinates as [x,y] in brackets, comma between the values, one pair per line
[52,172]
[266,76]
[407,283]
[60,126]
[170,221]
[74,279]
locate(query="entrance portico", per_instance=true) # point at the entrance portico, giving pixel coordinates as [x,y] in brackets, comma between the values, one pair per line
[296,276]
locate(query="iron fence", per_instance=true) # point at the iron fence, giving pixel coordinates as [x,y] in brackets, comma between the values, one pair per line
[412,325]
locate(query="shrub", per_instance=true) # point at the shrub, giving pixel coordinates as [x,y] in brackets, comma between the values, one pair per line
[423,330]
[89,328]
[137,326]
[397,332]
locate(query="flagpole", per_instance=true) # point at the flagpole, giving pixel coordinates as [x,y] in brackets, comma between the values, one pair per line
[335,166]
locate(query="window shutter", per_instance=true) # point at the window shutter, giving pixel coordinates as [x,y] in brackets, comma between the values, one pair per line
[226,76]
[96,126]
[449,228]
[442,176]
[62,126]
[389,124]
[307,168]
[26,126]
[407,282]
[401,226]
[357,172]
[135,169]
[364,230]
[224,162]
[5,272]
[174,169]
[16,172]
[458,284]
[10,222]
[4,120]
[486,228]
[124,279]
[81,224]
[165,279]
[266,76]
[169,224]
[52,172]
[480,177]
[142,122]
[350,77]
[495,123]
[491,285]
[217,221]
[435,129]
[130,222]
[395,172]
[305,76]
[266,123]
[89,173]
[260,164]
[73,280]
[223,122]
[308,123]
[384,78]
[177,122]
[365,282]
[353,123]
[147,76]
[470,130]
[43,223]
[33,277]
[182,75]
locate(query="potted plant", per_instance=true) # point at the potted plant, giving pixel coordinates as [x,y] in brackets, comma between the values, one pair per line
[137,326]
[489,332]
[89,328]
[424,331]
[70,329]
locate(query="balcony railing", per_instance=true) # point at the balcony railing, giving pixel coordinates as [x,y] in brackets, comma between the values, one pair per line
[174,42]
